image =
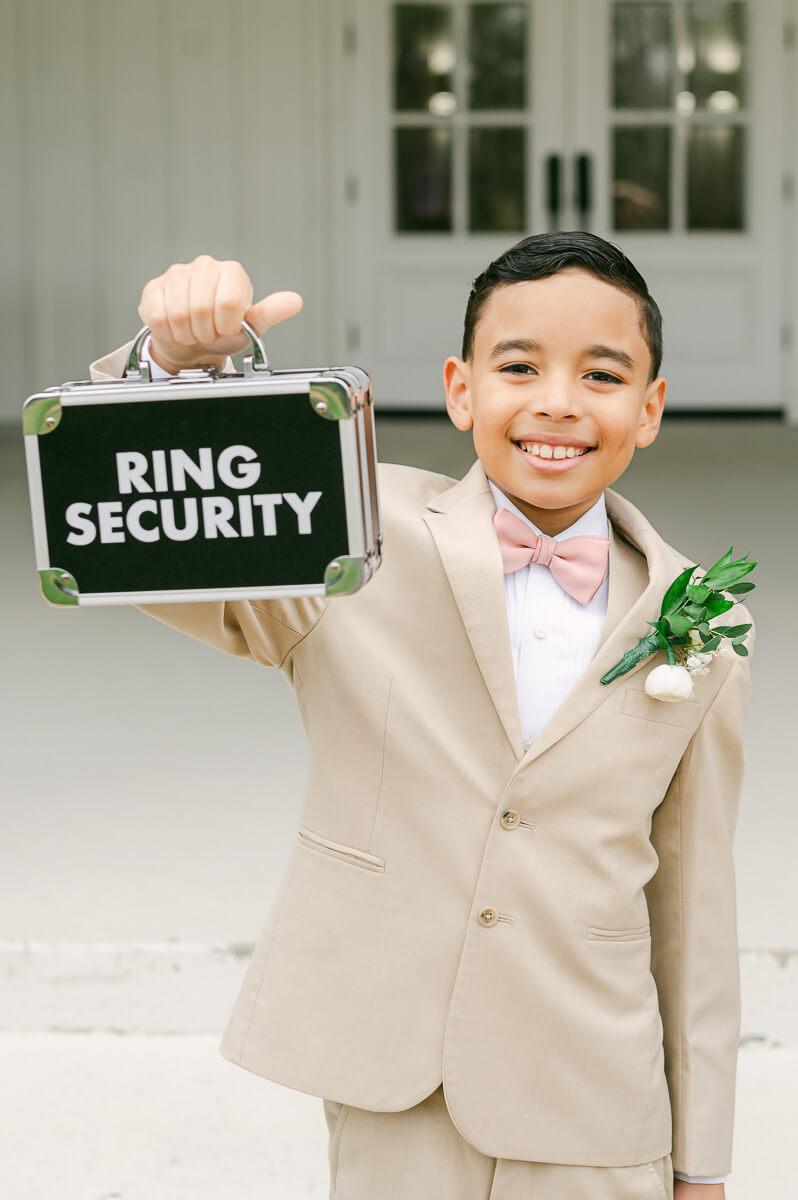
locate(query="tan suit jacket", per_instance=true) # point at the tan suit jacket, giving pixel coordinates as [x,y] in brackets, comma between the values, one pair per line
[597,1020]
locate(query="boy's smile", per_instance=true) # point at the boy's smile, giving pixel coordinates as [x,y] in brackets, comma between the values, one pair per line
[557,392]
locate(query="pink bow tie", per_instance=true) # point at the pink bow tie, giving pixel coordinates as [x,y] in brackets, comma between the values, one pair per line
[578,563]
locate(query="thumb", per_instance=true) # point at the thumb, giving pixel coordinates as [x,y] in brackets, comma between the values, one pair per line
[276,307]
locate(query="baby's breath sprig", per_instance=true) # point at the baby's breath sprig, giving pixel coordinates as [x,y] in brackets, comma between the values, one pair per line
[684,630]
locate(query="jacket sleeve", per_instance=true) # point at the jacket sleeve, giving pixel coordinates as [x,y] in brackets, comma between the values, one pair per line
[265,631]
[693,916]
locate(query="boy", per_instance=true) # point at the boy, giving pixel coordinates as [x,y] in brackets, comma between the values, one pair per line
[505,948]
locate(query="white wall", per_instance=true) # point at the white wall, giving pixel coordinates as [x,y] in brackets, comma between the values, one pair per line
[135,135]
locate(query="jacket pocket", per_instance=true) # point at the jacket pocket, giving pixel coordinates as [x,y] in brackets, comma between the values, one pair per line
[348,854]
[640,932]
[685,714]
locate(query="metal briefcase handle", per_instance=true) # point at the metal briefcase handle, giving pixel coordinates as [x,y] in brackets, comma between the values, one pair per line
[256,361]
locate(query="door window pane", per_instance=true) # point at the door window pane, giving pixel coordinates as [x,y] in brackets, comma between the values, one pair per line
[496,180]
[715,177]
[714,55]
[497,55]
[424,55]
[641,177]
[423,173]
[643,55]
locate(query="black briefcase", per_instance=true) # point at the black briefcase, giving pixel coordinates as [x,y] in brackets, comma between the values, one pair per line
[204,486]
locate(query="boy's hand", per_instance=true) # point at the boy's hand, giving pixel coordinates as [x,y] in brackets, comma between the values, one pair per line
[195,310]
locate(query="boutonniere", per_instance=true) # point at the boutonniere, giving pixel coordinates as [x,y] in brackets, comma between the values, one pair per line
[685,629]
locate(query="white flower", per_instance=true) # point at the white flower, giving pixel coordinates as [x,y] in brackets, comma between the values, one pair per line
[725,649]
[669,683]
[698,663]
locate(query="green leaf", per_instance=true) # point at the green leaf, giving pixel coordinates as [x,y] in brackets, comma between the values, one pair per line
[730,575]
[676,592]
[717,604]
[679,624]
[704,630]
[738,649]
[696,611]
[712,644]
[720,564]
[698,593]
[740,589]
[733,631]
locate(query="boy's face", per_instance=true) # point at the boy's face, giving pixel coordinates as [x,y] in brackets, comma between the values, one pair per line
[541,377]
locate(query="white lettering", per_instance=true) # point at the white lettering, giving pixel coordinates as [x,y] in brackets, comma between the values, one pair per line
[267,502]
[110,519]
[216,514]
[183,465]
[245,516]
[221,516]
[77,515]
[190,519]
[303,508]
[139,531]
[130,470]
[245,476]
[159,471]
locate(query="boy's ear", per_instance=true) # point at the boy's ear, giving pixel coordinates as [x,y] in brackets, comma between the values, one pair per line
[457,382]
[651,412]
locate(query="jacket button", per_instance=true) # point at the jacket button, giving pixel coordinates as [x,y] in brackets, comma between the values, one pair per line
[509,819]
[488,917]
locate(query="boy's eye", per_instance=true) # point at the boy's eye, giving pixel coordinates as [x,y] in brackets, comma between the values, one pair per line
[518,368]
[606,377]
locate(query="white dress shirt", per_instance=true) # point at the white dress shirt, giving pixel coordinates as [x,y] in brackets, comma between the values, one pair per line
[553,638]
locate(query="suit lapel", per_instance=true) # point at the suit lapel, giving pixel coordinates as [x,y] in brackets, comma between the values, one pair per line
[641,566]
[460,521]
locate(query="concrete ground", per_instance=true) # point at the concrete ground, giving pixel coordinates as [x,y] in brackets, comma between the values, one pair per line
[103,1117]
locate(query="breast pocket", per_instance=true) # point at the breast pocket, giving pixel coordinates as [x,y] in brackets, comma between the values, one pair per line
[685,714]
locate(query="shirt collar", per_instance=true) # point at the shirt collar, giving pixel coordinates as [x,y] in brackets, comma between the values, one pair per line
[592,523]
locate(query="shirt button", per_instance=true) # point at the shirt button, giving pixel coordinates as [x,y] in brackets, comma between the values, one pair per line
[488,916]
[539,631]
[509,819]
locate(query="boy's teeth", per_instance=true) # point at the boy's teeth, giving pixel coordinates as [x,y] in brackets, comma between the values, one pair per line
[544,450]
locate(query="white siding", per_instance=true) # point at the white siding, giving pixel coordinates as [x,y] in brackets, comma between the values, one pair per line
[136,135]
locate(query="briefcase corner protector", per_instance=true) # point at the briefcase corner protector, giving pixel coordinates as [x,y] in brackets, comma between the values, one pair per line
[41,413]
[58,587]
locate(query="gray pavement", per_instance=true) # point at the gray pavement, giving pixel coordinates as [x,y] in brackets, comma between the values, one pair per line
[102,1117]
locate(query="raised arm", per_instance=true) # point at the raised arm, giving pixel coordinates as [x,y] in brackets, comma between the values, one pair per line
[194,311]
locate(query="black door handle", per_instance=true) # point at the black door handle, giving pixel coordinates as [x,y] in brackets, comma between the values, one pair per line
[553,190]
[584,189]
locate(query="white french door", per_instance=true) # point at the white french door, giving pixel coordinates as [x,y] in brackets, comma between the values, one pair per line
[461,127]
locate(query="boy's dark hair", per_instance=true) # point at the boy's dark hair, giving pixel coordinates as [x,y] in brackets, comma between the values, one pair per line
[544,254]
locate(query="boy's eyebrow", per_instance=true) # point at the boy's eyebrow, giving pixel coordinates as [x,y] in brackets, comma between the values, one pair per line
[528,346]
[619,356]
[525,344]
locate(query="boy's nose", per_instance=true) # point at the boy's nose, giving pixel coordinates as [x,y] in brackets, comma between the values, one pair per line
[558,403]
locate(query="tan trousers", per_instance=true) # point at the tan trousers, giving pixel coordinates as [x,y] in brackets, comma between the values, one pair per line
[419,1155]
